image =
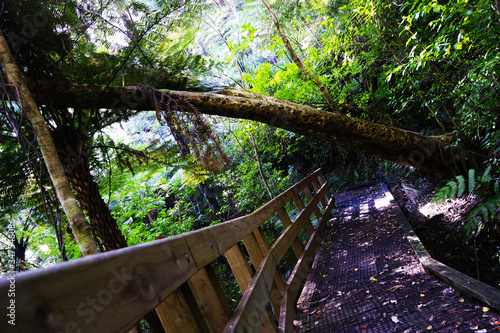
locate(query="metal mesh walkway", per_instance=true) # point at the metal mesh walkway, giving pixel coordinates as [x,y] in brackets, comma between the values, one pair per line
[366,278]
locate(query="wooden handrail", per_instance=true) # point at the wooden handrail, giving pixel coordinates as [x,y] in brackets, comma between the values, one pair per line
[111,291]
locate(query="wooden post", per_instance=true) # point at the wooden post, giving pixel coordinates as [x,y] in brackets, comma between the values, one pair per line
[210,299]
[264,246]
[317,186]
[240,267]
[256,253]
[321,182]
[297,246]
[243,274]
[175,314]
[300,206]
[310,196]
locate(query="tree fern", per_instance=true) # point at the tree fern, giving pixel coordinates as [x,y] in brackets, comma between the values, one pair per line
[485,187]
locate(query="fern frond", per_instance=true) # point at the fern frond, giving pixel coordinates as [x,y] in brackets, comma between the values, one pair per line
[486,175]
[474,225]
[472,180]
[462,185]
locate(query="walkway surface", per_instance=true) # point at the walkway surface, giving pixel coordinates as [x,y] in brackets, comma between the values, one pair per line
[367,278]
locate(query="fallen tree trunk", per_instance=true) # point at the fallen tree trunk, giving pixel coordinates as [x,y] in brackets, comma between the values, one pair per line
[403,147]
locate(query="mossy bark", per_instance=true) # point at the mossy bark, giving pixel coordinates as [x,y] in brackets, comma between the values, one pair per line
[403,147]
[76,218]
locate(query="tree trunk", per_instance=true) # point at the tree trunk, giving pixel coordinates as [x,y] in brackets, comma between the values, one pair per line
[77,169]
[313,77]
[403,147]
[76,219]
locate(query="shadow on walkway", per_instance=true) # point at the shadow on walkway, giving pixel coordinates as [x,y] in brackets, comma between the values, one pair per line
[367,278]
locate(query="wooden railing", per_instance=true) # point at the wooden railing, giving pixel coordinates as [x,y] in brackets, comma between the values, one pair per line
[111,291]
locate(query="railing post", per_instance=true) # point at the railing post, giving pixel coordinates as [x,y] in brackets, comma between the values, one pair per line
[310,196]
[317,187]
[210,299]
[322,182]
[243,274]
[175,314]
[297,246]
[240,267]
[300,206]
[257,250]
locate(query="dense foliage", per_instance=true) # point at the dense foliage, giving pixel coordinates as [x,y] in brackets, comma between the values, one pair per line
[431,67]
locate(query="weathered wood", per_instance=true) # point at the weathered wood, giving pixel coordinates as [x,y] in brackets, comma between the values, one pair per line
[464,283]
[316,187]
[240,267]
[310,196]
[264,246]
[127,283]
[243,274]
[209,243]
[85,293]
[175,314]
[253,249]
[322,182]
[210,299]
[297,246]
[300,206]
[299,273]
[253,302]
[256,253]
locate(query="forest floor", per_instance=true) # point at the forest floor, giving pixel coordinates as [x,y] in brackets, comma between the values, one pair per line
[437,226]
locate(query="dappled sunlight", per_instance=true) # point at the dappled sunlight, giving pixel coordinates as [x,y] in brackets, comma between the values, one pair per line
[382,202]
[364,208]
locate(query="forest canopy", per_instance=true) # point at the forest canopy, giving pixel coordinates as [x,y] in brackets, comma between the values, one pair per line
[170,116]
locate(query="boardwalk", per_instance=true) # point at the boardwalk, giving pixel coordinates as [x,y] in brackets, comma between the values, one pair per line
[367,278]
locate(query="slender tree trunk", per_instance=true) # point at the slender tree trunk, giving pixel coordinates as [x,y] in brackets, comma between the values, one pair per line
[324,91]
[77,220]
[259,164]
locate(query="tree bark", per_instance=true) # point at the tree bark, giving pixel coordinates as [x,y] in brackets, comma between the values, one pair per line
[76,218]
[403,147]
[77,168]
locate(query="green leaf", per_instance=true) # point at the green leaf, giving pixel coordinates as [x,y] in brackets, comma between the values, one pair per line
[472,180]
[461,185]
[486,175]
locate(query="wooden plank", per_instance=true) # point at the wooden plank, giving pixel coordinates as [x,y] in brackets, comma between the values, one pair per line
[299,273]
[247,224]
[300,206]
[253,301]
[126,284]
[243,274]
[84,294]
[322,182]
[464,283]
[317,187]
[255,251]
[240,267]
[175,314]
[210,299]
[297,246]
[264,246]
[261,240]
[250,312]
[209,243]
[310,197]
